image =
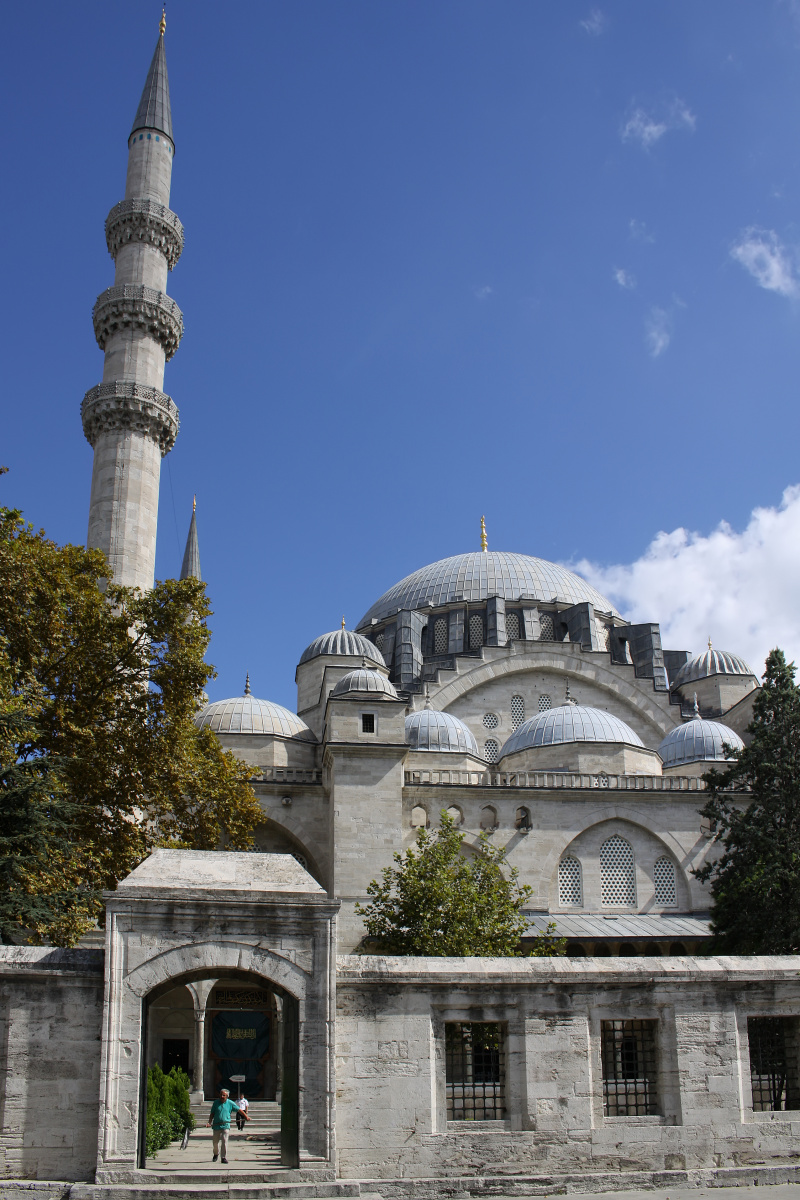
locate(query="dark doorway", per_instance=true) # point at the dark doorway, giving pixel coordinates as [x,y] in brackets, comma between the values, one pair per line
[175,1053]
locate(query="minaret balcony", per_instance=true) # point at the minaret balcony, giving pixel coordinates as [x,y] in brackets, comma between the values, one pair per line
[125,405]
[133,306]
[148,222]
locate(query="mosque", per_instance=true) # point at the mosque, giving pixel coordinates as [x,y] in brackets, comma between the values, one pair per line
[493,685]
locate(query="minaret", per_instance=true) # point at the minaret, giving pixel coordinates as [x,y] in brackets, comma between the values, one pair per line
[127,418]
[191,555]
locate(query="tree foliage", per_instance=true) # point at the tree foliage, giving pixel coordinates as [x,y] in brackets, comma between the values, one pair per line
[437,902]
[98,689]
[755,883]
[168,1108]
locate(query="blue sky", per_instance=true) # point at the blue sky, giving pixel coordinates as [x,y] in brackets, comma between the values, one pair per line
[538,261]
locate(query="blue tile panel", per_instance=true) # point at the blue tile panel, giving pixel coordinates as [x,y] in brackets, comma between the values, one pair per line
[570,723]
[713,662]
[432,730]
[698,741]
[246,714]
[343,641]
[481,574]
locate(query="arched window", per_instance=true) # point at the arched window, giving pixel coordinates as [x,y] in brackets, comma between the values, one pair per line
[488,817]
[455,814]
[522,820]
[628,950]
[617,878]
[545,702]
[546,629]
[491,750]
[664,882]
[512,626]
[517,711]
[440,635]
[379,641]
[475,631]
[419,817]
[570,883]
[677,949]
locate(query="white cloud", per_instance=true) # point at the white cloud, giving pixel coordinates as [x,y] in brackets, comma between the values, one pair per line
[595,23]
[761,252]
[647,128]
[741,589]
[624,278]
[638,231]
[482,292]
[658,330]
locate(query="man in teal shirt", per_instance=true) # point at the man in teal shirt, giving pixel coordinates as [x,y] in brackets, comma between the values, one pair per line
[220,1120]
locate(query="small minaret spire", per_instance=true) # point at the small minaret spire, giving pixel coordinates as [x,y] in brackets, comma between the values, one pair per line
[247,684]
[190,568]
[484,539]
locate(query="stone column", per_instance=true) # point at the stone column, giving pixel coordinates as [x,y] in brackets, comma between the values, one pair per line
[199,992]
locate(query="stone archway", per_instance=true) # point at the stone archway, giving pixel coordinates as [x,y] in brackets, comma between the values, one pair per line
[187,915]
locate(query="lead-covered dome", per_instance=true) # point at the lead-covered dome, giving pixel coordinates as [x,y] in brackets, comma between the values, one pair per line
[481,574]
[570,723]
[343,641]
[698,741]
[712,662]
[364,682]
[432,730]
[248,714]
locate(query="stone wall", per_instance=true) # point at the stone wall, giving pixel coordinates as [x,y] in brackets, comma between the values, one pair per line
[51,1005]
[391,1105]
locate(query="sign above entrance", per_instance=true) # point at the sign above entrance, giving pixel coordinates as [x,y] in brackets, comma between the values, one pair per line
[241,998]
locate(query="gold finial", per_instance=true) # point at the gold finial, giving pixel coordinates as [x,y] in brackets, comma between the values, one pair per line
[342,622]
[194,504]
[162,25]
[484,539]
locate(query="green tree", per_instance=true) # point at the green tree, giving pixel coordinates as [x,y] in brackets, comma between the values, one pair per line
[755,882]
[104,681]
[437,902]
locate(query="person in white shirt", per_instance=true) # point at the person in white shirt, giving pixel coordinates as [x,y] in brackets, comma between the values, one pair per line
[241,1115]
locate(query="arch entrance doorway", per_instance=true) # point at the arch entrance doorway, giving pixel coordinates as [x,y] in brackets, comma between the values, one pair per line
[226,962]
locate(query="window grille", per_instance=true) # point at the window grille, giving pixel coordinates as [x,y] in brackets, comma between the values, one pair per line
[440,636]
[570,890]
[475,631]
[491,750]
[512,626]
[664,881]
[475,1071]
[628,1051]
[517,711]
[367,722]
[617,879]
[773,1063]
[546,627]
[301,858]
[544,703]
[490,721]
[379,641]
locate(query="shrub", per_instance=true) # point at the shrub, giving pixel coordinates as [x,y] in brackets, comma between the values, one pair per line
[168,1111]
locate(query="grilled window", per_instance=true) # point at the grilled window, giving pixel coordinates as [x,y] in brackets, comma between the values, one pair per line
[491,750]
[664,882]
[628,1051]
[617,879]
[570,890]
[475,1070]
[367,722]
[545,702]
[475,631]
[512,626]
[379,641]
[773,1063]
[517,711]
[440,635]
[490,720]
[546,627]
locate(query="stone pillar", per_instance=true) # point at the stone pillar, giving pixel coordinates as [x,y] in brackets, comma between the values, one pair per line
[199,992]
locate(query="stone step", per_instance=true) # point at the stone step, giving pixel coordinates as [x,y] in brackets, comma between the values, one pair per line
[205,1186]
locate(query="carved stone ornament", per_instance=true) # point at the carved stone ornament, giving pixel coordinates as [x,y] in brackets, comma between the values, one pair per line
[124,405]
[145,221]
[134,306]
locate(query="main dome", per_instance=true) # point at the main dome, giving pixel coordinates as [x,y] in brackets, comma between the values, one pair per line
[570,723]
[481,574]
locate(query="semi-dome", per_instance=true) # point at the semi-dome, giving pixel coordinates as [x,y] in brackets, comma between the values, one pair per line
[343,641]
[570,723]
[432,730]
[481,574]
[712,662]
[365,682]
[248,714]
[698,740]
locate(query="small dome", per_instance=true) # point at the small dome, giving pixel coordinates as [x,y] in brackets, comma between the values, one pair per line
[247,714]
[342,641]
[365,682]
[432,730]
[712,662]
[698,741]
[570,723]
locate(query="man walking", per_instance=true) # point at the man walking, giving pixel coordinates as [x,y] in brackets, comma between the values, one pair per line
[220,1121]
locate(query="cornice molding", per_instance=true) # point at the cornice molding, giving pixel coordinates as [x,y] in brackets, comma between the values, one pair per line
[134,306]
[139,220]
[125,405]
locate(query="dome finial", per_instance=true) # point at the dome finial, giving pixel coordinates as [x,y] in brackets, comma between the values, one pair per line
[709,643]
[567,698]
[484,539]
[194,502]
[696,709]
[342,622]
[247,685]
[162,24]
[427,695]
